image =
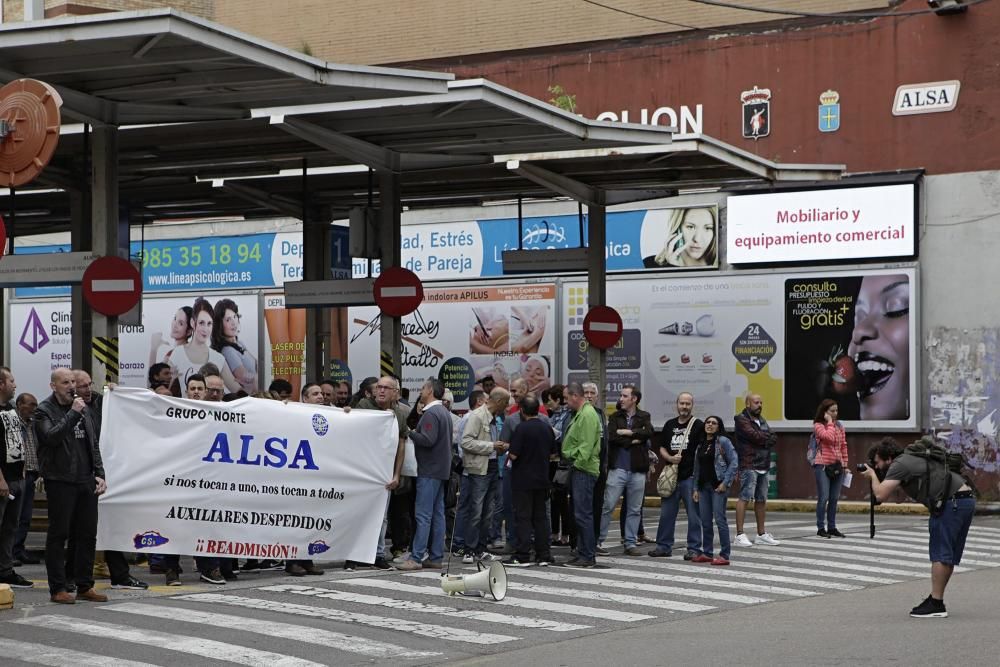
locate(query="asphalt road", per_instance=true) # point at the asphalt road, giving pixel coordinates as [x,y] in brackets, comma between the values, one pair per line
[808,601]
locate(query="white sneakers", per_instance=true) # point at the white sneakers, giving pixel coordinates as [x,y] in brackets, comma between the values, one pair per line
[767,539]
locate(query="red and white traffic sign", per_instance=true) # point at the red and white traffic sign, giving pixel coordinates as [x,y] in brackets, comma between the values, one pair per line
[398,291]
[602,327]
[112,285]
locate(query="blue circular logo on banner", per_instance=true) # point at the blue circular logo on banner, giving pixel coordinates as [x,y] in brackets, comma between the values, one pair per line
[320,424]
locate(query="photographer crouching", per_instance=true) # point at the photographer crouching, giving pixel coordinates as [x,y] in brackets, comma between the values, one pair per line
[950,499]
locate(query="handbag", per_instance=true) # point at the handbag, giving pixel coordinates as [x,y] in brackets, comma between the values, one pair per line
[834,469]
[561,478]
[666,483]
[409,467]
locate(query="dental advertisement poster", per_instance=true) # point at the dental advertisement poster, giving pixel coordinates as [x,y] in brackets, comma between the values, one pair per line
[794,339]
[850,337]
[464,335]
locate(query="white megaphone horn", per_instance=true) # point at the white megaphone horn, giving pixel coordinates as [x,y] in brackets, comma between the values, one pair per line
[492,579]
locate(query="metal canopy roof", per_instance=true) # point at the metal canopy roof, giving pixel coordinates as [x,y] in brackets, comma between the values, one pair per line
[160,166]
[475,120]
[162,65]
[608,175]
[466,126]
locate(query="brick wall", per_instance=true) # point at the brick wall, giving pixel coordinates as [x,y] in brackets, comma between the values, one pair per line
[391,31]
[13,10]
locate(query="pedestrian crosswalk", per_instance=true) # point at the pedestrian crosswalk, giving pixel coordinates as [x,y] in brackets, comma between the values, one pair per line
[358,617]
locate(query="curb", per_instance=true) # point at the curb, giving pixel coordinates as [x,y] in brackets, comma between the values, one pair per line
[806,505]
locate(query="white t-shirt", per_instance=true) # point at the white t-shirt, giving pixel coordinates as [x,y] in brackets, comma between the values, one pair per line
[186,368]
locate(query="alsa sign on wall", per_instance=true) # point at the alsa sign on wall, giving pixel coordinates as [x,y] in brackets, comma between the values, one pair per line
[917,98]
[822,225]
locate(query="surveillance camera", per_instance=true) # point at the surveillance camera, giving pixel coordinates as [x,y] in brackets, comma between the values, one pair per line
[946,7]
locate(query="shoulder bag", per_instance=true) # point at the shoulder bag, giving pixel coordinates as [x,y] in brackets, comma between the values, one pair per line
[666,483]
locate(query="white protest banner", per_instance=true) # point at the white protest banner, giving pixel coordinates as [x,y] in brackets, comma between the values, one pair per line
[253,478]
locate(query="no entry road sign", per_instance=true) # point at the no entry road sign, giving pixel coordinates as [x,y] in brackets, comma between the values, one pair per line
[398,291]
[602,327]
[112,285]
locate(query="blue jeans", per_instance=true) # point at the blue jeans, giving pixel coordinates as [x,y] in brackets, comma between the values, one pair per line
[633,486]
[503,509]
[458,531]
[27,504]
[380,548]
[428,538]
[10,514]
[476,508]
[712,504]
[669,507]
[827,496]
[582,489]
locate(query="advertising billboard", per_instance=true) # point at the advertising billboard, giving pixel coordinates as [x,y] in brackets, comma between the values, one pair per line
[793,338]
[822,225]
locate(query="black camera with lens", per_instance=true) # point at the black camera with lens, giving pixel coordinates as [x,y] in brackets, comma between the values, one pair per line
[860,467]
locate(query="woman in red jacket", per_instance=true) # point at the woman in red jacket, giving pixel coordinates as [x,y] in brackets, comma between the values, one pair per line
[829,467]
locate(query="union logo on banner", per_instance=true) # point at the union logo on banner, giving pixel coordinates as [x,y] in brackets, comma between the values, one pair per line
[756,112]
[33,338]
[829,111]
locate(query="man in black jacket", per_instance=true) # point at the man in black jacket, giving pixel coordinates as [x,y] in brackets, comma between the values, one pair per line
[70,462]
[629,432]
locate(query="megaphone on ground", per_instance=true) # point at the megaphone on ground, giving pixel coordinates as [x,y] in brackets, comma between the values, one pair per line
[492,579]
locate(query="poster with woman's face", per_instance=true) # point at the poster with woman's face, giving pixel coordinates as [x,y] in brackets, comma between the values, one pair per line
[199,323]
[848,338]
[680,238]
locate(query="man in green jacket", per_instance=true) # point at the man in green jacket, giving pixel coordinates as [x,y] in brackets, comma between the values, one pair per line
[582,446]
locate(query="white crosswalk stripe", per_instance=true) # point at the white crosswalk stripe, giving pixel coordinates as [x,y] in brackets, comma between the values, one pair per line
[652,588]
[819,562]
[825,573]
[524,603]
[206,648]
[270,628]
[709,581]
[860,550]
[420,607]
[338,615]
[40,654]
[892,544]
[860,556]
[383,615]
[729,572]
[594,595]
[989,546]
